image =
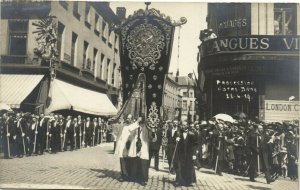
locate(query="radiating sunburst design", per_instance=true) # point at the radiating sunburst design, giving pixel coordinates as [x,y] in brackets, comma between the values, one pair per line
[46,37]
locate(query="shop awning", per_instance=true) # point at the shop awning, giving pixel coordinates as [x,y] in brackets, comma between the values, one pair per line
[15,88]
[67,96]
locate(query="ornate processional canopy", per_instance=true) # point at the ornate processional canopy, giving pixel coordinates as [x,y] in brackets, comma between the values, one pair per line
[146,40]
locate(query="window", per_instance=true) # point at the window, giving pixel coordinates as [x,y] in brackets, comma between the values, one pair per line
[107,70]
[18,30]
[113,75]
[184,105]
[73,48]
[116,43]
[97,25]
[60,30]
[101,64]
[94,59]
[64,4]
[87,16]
[285,19]
[86,62]
[191,94]
[75,10]
[110,36]
[191,106]
[103,31]
[185,94]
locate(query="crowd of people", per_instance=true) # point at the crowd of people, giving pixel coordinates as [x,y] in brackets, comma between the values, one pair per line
[243,147]
[26,134]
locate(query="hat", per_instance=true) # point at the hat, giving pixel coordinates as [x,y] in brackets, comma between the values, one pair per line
[203,123]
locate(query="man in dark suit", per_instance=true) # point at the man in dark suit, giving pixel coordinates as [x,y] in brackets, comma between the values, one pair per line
[69,133]
[264,152]
[81,126]
[172,133]
[155,143]
[55,135]
[184,167]
[7,133]
[252,151]
[77,128]
[33,134]
[88,132]
[41,134]
[19,137]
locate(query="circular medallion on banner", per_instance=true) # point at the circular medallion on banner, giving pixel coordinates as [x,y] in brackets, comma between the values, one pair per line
[149,86]
[144,44]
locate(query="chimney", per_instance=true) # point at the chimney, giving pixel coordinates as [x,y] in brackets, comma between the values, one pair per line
[177,75]
[121,13]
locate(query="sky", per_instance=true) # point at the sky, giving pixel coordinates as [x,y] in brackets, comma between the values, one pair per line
[189,33]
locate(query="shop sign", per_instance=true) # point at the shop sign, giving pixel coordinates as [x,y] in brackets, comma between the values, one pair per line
[234,23]
[250,44]
[277,110]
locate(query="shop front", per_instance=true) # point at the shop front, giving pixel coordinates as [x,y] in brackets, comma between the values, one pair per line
[243,73]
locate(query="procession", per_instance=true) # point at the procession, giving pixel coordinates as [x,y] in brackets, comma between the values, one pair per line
[240,147]
[134,95]
[24,134]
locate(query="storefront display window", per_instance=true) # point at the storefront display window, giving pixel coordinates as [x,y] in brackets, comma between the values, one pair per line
[284,19]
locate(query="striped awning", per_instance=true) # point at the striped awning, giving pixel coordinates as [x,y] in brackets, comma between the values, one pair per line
[14,88]
[68,96]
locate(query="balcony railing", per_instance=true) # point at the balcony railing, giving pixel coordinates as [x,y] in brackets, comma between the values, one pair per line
[13,59]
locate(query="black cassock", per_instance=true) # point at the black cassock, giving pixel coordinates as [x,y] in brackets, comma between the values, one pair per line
[183,161]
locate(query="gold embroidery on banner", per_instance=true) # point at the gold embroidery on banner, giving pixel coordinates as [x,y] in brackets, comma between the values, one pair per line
[153,118]
[144,44]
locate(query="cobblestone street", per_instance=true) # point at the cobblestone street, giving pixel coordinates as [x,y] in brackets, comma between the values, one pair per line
[98,168]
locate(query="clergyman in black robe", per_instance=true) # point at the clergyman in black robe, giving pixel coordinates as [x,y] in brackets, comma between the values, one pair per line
[183,162]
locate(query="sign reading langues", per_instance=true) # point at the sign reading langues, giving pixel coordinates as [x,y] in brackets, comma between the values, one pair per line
[277,110]
[250,43]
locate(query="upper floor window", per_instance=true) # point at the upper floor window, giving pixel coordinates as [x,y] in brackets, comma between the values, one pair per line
[185,94]
[113,74]
[61,28]
[285,18]
[75,10]
[64,4]
[86,60]
[107,70]
[87,16]
[18,30]
[94,59]
[73,48]
[184,105]
[191,95]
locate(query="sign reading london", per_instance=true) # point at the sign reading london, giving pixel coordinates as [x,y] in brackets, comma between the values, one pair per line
[249,44]
[278,110]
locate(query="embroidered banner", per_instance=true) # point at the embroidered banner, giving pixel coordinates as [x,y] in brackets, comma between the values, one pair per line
[146,39]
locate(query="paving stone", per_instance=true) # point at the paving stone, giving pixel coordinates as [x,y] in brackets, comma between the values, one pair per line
[95,168]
